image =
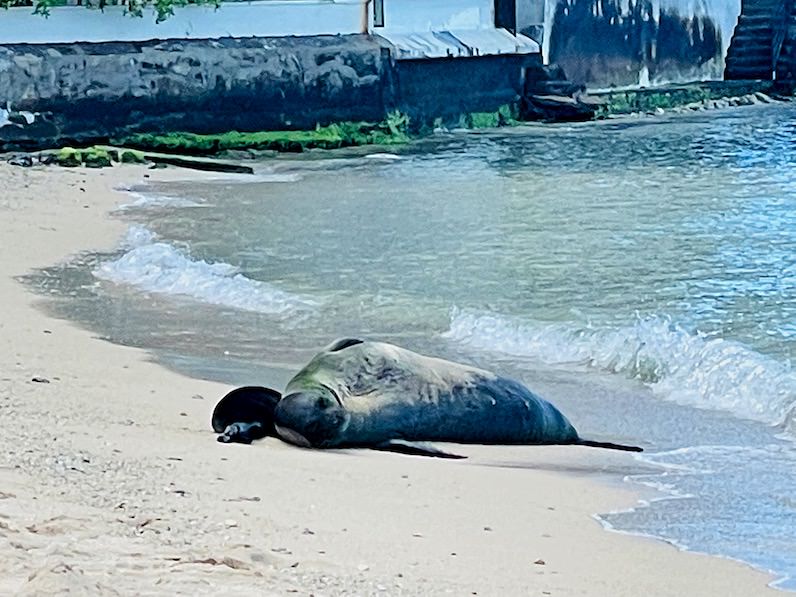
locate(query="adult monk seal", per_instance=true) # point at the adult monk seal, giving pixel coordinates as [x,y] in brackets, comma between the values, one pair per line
[357,394]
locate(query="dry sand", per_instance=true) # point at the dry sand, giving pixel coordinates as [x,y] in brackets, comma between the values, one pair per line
[112,483]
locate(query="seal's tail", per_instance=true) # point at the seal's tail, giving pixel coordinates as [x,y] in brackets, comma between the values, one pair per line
[608,445]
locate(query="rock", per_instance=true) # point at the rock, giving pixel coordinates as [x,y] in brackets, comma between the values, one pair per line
[40,380]
[95,157]
[68,157]
[557,108]
[131,156]
[47,159]
[23,159]
[19,118]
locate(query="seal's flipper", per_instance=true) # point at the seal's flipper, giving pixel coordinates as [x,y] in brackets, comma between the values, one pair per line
[608,445]
[251,408]
[343,343]
[242,433]
[414,448]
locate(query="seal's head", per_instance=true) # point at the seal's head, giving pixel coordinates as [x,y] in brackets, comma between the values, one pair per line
[312,418]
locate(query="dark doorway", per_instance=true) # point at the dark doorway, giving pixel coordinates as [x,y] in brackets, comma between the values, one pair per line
[506,15]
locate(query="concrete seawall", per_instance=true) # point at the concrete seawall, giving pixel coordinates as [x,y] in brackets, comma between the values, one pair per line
[88,92]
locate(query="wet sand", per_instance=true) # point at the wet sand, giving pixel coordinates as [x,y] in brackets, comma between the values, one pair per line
[112,483]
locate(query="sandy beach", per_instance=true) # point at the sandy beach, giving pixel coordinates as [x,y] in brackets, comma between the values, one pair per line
[111,481]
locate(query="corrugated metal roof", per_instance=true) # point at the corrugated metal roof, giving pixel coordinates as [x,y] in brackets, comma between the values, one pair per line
[471,42]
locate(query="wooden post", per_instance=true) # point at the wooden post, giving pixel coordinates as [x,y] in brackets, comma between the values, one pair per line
[364,21]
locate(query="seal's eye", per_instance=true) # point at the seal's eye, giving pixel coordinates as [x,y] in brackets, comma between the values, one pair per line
[323,402]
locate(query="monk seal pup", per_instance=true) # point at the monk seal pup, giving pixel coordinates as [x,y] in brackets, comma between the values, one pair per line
[357,394]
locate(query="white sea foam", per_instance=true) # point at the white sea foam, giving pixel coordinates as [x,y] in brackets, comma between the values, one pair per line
[681,366]
[145,201]
[272,177]
[238,178]
[162,268]
[383,156]
[138,236]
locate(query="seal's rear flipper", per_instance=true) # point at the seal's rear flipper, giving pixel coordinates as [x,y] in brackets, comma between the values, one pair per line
[245,414]
[608,445]
[414,448]
[242,433]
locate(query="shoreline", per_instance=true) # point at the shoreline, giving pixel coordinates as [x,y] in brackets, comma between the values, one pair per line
[111,481]
[229,152]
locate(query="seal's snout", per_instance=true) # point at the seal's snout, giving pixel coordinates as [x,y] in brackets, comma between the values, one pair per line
[292,437]
[310,419]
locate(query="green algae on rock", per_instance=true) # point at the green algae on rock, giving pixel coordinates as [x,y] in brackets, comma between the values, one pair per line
[95,157]
[393,130]
[69,157]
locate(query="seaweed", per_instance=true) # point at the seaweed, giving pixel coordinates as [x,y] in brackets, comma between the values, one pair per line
[393,130]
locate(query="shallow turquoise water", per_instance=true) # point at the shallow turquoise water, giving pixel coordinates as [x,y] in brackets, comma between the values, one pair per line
[642,275]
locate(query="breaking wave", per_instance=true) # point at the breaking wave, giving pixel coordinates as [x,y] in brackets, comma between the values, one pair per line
[688,368]
[162,268]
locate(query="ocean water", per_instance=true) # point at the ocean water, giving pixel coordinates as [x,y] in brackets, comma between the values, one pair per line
[641,274]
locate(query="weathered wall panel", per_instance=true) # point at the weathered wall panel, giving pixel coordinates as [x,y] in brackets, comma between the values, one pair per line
[627,42]
[447,87]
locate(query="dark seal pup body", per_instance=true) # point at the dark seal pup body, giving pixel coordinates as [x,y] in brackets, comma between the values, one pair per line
[357,394]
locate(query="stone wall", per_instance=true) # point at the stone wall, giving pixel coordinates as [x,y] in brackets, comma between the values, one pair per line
[86,92]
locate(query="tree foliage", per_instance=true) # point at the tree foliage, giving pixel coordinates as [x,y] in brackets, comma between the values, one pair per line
[134,8]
